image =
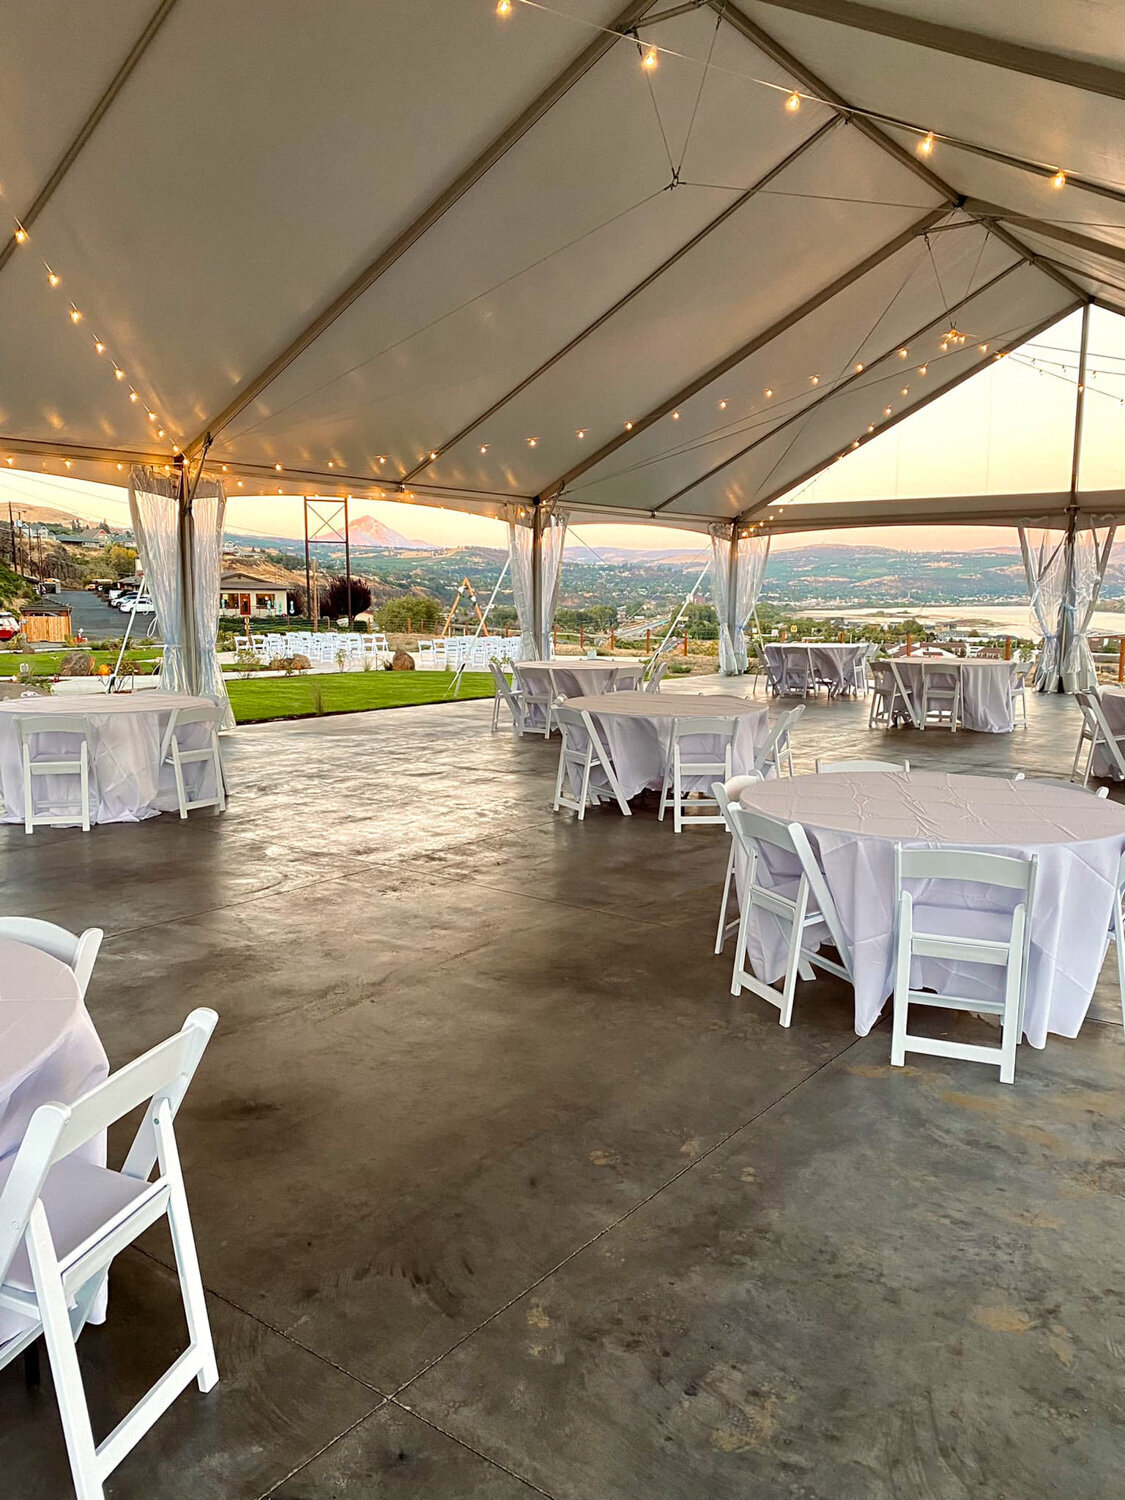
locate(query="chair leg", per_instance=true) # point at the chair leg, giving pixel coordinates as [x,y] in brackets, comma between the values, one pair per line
[719,935]
[67,1377]
[741,939]
[187,1261]
[584,791]
[220,781]
[28,812]
[178,770]
[793,963]
[1119,944]
[902,991]
[677,793]
[85,776]
[561,775]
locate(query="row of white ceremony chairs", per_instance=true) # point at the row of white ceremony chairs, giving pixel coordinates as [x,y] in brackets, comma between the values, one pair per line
[322,648]
[781,876]
[60,785]
[447,653]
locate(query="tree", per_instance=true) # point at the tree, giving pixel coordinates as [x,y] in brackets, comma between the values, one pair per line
[335,597]
[411,612]
[701,622]
[122,560]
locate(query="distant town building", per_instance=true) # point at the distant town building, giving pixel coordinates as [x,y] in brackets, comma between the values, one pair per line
[245,594]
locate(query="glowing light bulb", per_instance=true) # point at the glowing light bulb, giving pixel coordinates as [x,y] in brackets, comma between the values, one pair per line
[1059,179]
[922,369]
[278,468]
[21,235]
[905,391]
[581,433]
[532,442]
[503,7]
[133,396]
[650,59]
[926,145]
[224,467]
[675,416]
[152,416]
[903,353]
[983,348]
[68,463]
[160,432]
[99,347]
[433,452]
[53,278]
[722,405]
[484,447]
[793,103]
[628,426]
[856,443]
[871,426]
[119,467]
[75,315]
[886,411]
[240,484]
[118,373]
[769,392]
[859,369]
[814,379]
[331,465]
[944,346]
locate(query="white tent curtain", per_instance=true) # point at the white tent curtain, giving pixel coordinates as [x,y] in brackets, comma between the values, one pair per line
[521,546]
[208,509]
[736,586]
[1064,585]
[154,507]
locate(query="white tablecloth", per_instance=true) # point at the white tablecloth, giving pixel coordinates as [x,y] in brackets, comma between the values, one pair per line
[635,729]
[125,733]
[575,675]
[1113,706]
[838,663]
[986,696]
[853,822]
[49,1051]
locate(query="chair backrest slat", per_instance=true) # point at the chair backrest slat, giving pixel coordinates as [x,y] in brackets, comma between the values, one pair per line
[977,865]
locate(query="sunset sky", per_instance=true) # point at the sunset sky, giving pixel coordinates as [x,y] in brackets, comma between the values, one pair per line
[1008,430]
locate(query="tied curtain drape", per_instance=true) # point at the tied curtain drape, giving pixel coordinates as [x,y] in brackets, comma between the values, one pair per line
[1064,584]
[535,635]
[736,574]
[154,504]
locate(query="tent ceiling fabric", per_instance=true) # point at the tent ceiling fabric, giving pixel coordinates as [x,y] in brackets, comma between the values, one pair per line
[547,241]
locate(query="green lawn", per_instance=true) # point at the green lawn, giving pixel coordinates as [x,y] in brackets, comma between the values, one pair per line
[255,700]
[47,663]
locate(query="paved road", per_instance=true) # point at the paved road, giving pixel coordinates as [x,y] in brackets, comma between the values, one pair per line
[93,616]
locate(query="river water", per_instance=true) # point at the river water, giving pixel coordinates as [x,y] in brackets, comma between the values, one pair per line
[999,619]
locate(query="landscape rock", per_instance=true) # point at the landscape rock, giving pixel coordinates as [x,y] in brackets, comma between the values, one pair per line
[403,662]
[76,664]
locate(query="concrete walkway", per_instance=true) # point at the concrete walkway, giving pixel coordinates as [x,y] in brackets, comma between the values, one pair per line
[498,1192]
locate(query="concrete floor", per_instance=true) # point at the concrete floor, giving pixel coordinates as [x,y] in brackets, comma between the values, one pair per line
[498,1192]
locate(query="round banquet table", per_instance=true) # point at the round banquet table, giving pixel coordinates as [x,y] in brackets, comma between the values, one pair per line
[574,675]
[837,663]
[49,1051]
[986,690]
[853,822]
[125,732]
[635,727]
[1113,706]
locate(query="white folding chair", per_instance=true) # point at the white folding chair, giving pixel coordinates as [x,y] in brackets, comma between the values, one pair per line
[78,953]
[888,699]
[426,659]
[534,703]
[172,753]
[941,696]
[63,1220]
[627,678]
[799,899]
[919,933]
[827,767]
[1018,690]
[778,749]
[505,693]
[655,677]
[682,766]
[1094,735]
[731,791]
[797,675]
[581,749]
[65,814]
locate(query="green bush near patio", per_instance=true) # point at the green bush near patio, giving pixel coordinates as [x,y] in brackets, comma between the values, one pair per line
[351,692]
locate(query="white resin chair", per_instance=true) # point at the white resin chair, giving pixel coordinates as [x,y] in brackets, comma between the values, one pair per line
[800,901]
[63,1220]
[888,698]
[173,754]
[778,749]
[797,676]
[580,751]
[827,767]
[426,658]
[725,793]
[1018,691]
[685,761]
[74,763]
[655,677]
[535,704]
[940,696]
[1003,941]
[1102,791]
[78,953]
[1096,734]
[505,693]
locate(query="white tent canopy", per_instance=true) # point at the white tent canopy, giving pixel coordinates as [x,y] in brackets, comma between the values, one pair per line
[654,261]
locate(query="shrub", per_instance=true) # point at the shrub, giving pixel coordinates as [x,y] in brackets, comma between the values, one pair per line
[412,612]
[335,597]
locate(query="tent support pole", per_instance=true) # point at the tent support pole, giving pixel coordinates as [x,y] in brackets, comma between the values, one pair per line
[732,592]
[542,648]
[1067,609]
[185,543]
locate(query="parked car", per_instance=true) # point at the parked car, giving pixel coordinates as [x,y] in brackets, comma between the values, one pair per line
[9,626]
[141,605]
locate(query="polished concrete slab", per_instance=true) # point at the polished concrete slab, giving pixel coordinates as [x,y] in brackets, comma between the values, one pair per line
[498,1191]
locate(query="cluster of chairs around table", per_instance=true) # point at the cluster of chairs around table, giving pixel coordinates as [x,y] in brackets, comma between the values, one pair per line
[322,647]
[447,653]
[804,902]
[533,707]
[64,1219]
[800,673]
[938,698]
[76,765]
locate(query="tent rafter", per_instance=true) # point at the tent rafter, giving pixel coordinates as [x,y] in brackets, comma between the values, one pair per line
[500,145]
[750,347]
[629,296]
